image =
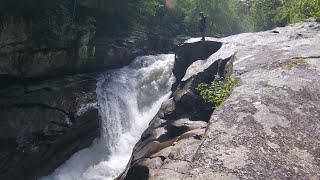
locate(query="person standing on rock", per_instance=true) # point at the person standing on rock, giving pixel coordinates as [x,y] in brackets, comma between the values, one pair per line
[202,25]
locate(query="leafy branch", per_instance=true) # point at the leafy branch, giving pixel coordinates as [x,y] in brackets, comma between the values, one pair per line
[216,92]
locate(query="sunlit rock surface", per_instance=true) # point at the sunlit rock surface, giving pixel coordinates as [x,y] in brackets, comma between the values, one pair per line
[269,128]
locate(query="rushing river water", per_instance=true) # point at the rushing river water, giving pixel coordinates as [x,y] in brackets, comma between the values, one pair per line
[128,99]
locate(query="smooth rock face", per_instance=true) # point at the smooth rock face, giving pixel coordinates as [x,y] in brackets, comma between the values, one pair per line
[269,128]
[43,124]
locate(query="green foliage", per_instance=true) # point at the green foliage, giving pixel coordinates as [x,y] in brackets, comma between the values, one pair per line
[58,22]
[263,13]
[158,18]
[216,92]
[298,10]
[221,18]
[52,23]
[241,11]
[260,15]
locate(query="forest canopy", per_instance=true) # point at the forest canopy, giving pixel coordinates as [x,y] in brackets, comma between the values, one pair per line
[168,17]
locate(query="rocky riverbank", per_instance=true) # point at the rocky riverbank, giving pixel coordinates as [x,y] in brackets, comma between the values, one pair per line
[267,128]
[23,58]
[48,113]
[43,124]
[167,147]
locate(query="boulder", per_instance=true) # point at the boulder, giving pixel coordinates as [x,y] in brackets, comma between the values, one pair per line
[191,51]
[121,49]
[43,124]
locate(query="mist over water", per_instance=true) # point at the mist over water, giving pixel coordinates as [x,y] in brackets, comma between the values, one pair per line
[128,98]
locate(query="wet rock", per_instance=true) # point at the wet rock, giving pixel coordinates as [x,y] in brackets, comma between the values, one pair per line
[43,124]
[122,50]
[180,122]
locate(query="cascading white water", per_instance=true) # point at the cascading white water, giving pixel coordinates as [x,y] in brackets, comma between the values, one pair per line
[128,99]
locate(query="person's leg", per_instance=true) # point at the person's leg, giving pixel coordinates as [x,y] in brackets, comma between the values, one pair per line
[203,34]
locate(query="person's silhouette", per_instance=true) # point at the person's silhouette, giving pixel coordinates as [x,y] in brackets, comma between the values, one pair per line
[202,25]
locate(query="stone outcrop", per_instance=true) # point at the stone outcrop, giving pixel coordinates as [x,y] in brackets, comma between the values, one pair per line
[191,51]
[267,128]
[43,124]
[120,50]
[161,153]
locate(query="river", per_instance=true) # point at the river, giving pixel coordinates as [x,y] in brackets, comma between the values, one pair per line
[128,98]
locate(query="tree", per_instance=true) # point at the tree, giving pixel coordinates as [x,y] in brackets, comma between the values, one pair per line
[220,17]
[263,12]
[293,11]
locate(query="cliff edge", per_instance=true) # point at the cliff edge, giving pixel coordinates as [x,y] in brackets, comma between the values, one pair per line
[269,126]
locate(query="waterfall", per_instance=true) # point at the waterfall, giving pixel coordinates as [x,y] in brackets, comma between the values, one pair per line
[128,98]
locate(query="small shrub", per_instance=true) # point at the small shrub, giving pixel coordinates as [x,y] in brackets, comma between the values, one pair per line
[216,92]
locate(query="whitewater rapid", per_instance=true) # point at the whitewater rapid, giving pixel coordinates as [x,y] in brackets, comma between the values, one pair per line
[128,98]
